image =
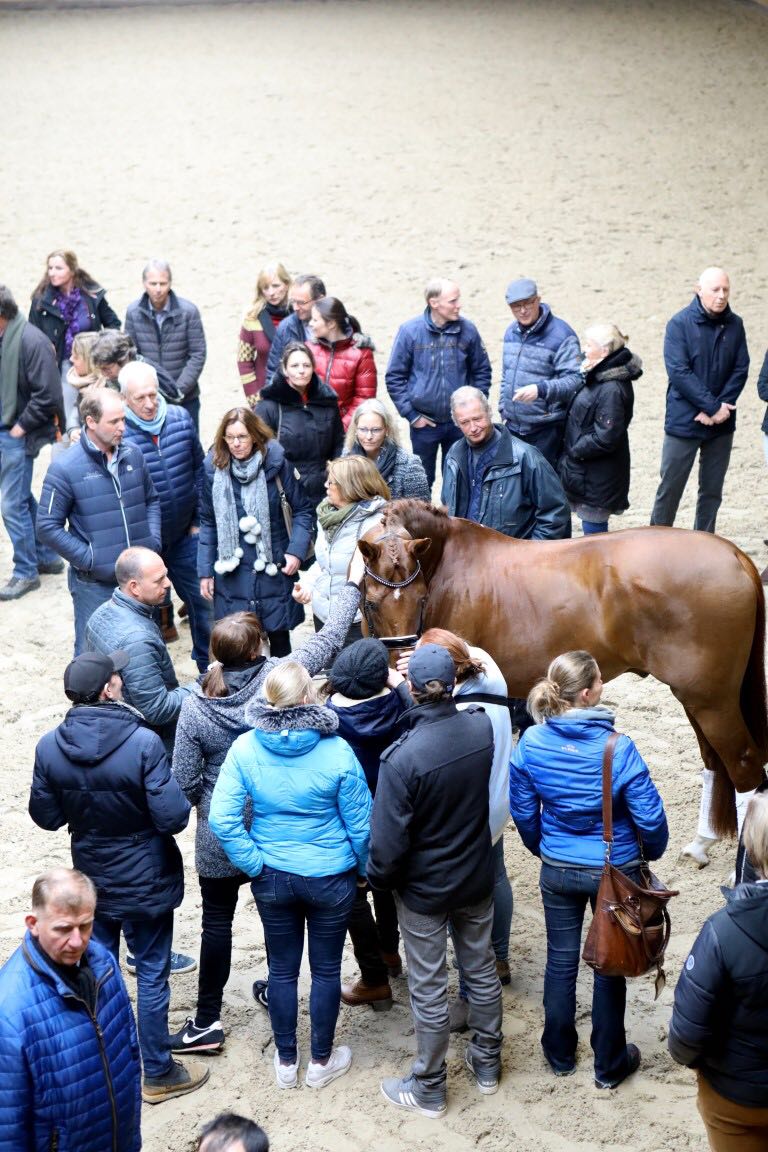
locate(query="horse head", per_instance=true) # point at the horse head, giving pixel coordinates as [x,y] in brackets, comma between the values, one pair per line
[394,589]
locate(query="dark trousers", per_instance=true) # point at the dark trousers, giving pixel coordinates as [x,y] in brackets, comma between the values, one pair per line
[426,441]
[219,895]
[370,937]
[280,642]
[677,457]
[565,893]
[548,438]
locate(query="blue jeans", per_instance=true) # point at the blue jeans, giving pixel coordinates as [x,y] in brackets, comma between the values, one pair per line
[193,407]
[19,507]
[286,901]
[181,561]
[565,893]
[426,441]
[150,943]
[87,595]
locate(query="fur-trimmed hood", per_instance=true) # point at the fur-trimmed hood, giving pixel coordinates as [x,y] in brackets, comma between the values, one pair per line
[290,731]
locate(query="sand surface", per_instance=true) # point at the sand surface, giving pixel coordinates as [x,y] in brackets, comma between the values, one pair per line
[611,151]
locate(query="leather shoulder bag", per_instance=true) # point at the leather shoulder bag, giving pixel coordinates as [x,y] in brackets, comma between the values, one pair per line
[630,927]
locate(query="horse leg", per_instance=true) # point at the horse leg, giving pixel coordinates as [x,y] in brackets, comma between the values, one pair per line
[729,751]
[706,837]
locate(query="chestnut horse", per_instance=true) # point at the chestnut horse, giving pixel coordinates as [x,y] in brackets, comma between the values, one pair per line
[685,607]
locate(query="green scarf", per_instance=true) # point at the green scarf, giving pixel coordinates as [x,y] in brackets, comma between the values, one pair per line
[9,370]
[331,518]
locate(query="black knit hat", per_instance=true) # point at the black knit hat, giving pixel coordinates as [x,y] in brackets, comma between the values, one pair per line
[361,669]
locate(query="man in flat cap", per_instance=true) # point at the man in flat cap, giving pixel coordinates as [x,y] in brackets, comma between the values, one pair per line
[431,846]
[538,347]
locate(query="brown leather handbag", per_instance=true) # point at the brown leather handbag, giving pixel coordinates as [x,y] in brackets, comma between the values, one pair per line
[630,926]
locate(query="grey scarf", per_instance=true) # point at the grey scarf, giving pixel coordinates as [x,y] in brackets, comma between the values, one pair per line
[9,370]
[255,525]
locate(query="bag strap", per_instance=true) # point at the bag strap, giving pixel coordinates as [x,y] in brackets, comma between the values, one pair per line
[285,506]
[487,698]
[610,744]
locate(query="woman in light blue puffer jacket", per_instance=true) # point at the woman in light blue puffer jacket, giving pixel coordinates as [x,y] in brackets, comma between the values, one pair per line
[555,793]
[306,850]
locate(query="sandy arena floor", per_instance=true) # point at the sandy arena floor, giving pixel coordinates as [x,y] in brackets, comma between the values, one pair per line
[611,151]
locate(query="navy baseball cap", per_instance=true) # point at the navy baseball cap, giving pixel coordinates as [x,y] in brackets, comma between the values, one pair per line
[432,662]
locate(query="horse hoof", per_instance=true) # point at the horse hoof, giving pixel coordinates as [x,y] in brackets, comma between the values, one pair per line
[698,850]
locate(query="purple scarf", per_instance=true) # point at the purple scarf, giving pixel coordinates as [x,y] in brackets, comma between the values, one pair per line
[70,310]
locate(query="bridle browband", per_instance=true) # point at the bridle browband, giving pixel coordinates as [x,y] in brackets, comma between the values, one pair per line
[393,642]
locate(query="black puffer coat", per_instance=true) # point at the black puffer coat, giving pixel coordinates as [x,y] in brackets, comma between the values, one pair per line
[594,466]
[46,315]
[106,775]
[720,1020]
[311,434]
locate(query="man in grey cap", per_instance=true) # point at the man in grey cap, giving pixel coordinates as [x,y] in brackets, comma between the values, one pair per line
[105,774]
[539,347]
[431,846]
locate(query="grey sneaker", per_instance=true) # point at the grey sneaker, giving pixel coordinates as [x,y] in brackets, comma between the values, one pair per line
[487,1080]
[407,1093]
[318,1075]
[17,587]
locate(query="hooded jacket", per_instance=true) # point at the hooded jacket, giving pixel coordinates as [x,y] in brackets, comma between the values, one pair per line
[106,513]
[430,836]
[707,363]
[594,466]
[311,433]
[369,726]
[556,786]
[428,363]
[106,776]
[720,1019]
[546,351]
[68,1081]
[311,804]
[349,369]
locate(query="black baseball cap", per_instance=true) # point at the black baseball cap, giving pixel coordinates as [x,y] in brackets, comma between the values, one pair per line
[87,674]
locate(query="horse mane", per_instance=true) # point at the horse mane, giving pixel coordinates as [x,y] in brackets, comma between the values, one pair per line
[420,520]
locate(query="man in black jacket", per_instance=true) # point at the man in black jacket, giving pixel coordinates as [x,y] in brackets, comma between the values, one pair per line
[431,845]
[30,411]
[103,773]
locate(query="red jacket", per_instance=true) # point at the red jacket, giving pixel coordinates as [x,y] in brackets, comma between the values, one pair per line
[350,371]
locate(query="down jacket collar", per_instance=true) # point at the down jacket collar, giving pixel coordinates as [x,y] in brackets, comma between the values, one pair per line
[290,731]
[91,732]
[281,392]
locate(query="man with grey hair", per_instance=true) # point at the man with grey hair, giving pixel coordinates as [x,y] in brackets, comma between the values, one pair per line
[68,1049]
[127,623]
[495,479]
[707,361]
[433,355]
[168,332]
[305,289]
[30,414]
[166,437]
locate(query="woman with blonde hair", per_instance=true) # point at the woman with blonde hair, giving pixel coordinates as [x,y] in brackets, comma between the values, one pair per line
[720,1021]
[247,557]
[356,495]
[269,307]
[555,797]
[372,433]
[305,852]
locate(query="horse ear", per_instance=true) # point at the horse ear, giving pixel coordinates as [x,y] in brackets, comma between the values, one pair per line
[370,552]
[418,547]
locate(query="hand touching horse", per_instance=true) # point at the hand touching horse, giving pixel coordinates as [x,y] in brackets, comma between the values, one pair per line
[685,607]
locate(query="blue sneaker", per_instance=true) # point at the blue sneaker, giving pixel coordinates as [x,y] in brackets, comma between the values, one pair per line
[179,963]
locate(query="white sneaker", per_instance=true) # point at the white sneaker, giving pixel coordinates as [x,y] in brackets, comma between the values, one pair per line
[318,1075]
[287,1074]
[699,849]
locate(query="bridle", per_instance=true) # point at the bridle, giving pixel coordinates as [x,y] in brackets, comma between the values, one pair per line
[393,642]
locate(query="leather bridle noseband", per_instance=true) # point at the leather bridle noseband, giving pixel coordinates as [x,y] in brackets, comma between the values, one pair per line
[393,642]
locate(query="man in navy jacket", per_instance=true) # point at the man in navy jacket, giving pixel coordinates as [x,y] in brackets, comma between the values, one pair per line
[105,775]
[103,490]
[706,357]
[168,332]
[68,1051]
[433,355]
[305,289]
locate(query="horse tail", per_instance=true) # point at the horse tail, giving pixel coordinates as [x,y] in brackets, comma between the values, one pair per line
[753,699]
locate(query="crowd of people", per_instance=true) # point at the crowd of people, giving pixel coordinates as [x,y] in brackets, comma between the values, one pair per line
[376,805]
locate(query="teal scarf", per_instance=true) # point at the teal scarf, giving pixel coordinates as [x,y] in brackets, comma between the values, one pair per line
[154,427]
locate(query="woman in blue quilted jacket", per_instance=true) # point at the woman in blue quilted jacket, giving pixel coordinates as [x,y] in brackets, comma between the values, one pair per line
[555,792]
[305,852]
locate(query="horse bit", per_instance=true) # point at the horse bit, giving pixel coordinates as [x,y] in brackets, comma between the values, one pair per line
[393,642]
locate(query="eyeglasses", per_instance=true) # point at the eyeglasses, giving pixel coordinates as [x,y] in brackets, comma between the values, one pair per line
[238,439]
[524,305]
[370,431]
